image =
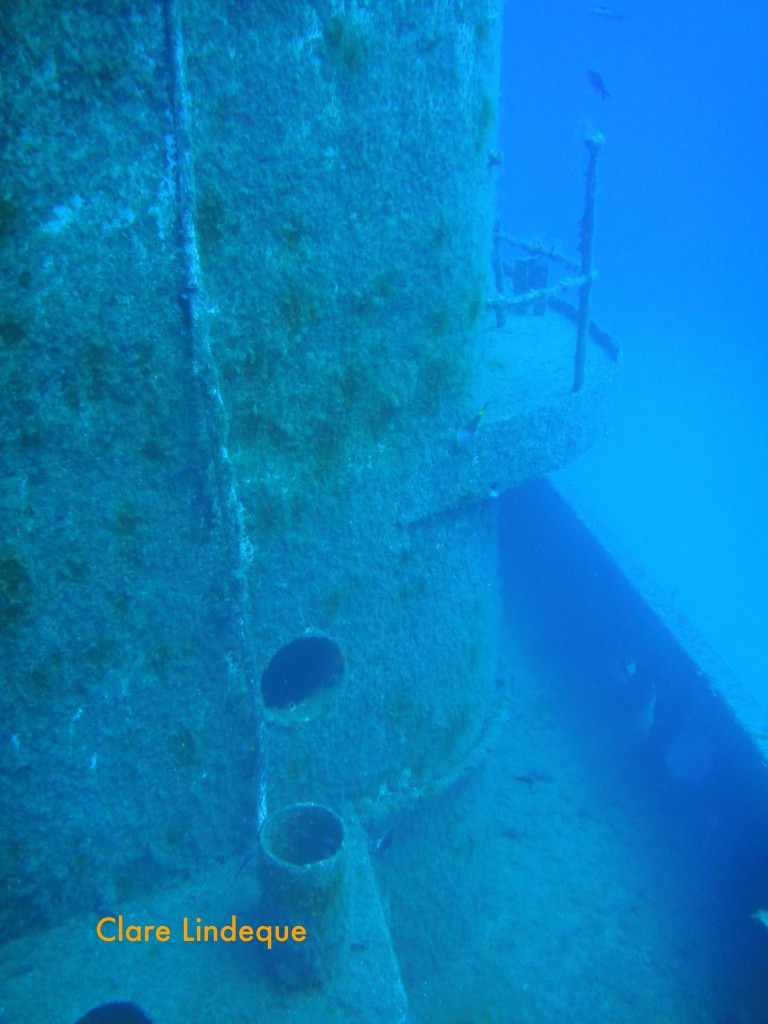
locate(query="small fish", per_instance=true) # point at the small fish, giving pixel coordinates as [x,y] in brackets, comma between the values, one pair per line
[465,434]
[18,970]
[604,11]
[597,83]
[532,777]
[246,862]
[384,841]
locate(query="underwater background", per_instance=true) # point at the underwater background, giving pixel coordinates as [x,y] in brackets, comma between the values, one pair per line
[681,251]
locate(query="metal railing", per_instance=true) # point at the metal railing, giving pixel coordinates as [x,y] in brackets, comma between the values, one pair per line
[533,272]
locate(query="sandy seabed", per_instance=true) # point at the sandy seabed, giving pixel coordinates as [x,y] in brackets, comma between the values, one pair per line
[589,907]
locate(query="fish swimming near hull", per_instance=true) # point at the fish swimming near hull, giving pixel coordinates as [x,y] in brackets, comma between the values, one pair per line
[606,12]
[464,435]
[598,84]
[384,841]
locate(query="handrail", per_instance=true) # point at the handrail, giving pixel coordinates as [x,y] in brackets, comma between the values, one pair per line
[583,281]
[535,248]
[525,298]
[594,144]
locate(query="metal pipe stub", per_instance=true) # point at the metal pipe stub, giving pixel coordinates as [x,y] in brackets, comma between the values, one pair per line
[303,871]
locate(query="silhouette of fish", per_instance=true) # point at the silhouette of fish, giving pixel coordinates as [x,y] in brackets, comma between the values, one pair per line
[604,11]
[596,81]
[384,841]
[465,434]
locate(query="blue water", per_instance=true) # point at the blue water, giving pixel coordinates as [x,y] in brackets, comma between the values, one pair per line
[681,252]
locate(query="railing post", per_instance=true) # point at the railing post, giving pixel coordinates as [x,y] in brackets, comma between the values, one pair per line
[498,271]
[594,144]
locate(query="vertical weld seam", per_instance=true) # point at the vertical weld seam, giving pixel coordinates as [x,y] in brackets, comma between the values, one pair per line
[239,549]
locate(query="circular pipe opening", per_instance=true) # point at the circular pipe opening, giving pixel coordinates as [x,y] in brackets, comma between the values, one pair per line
[301,670]
[115,1013]
[303,834]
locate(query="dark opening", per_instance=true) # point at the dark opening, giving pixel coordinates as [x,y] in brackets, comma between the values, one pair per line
[300,670]
[303,834]
[115,1013]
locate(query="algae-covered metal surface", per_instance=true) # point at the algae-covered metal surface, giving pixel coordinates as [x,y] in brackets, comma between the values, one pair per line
[340,217]
[113,759]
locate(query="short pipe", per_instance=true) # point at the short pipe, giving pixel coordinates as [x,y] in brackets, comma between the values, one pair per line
[303,873]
